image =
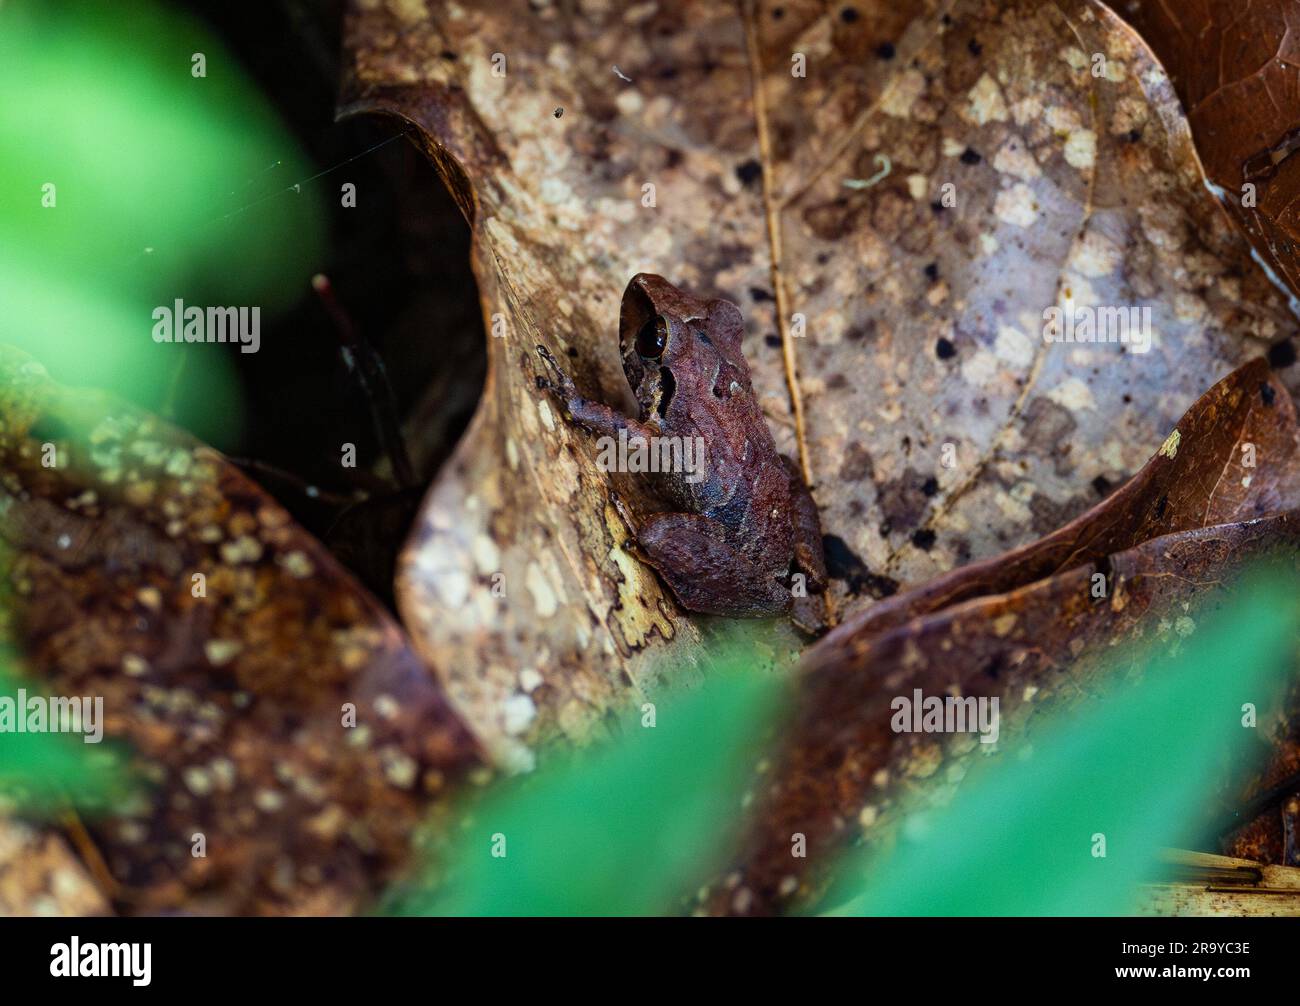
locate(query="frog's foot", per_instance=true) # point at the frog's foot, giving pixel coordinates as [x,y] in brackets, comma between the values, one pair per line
[630,544]
[705,573]
[560,383]
[597,417]
[808,614]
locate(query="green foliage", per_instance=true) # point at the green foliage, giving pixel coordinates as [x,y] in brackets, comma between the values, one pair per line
[1017,839]
[624,829]
[154,171]
[44,773]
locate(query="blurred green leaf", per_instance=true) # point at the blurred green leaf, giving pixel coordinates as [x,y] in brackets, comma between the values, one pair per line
[165,186]
[44,773]
[1017,839]
[621,829]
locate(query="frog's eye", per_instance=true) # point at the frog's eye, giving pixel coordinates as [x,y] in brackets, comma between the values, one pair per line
[652,338]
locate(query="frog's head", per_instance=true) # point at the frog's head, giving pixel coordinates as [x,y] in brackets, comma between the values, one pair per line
[674,344]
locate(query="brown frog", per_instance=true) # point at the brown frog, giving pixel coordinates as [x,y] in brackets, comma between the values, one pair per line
[737,526]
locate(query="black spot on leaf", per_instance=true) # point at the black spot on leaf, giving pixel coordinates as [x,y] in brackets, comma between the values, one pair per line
[749,172]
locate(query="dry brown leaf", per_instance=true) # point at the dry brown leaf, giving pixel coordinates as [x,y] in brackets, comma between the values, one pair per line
[232,697]
[1026,627]
[1235,455]
[844,774]
[1237,69]
[923,321]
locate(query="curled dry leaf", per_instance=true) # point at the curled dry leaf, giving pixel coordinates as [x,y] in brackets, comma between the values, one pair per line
[891,326]
[1028,628]
[843,773]
[1237,69]
[225,642]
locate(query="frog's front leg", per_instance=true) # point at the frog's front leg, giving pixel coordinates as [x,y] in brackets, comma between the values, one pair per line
[594,416]
[705,573]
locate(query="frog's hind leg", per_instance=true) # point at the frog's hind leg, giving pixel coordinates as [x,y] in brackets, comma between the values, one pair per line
[705,573]
[809,609]
[809,555]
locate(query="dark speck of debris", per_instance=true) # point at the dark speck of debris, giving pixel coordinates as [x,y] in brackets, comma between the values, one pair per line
[1281,355]
[541,382]
[749,172]
[448,54]
[937,206]
[843,564]
[944,349]
[778,13]
[1101,485]
[573,352]
[772,340]
[930,486]
[1267,393]
[932,271]
[923,538]
[969,156]
[558,112]
[848,15]
[757,294]
[1133,136]
[974,48]
[885,50]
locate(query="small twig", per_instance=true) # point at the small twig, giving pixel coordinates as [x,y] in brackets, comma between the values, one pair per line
[774,239]
[306,488]
[90,854]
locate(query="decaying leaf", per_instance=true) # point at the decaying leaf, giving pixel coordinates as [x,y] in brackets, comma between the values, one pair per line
[1237,69]
[1029,627]
[896,324]
[844,773]
[279,721]
[1235,455]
